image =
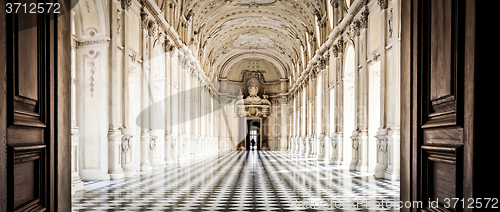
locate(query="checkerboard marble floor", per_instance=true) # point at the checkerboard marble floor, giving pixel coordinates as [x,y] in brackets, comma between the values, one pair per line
[242,181]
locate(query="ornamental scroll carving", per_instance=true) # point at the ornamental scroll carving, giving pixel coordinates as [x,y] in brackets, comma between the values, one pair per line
[258,74]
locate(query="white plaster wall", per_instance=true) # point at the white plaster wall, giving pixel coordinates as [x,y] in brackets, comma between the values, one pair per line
[94,145]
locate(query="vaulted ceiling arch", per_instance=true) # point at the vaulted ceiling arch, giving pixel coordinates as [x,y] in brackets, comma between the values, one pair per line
[225,67]
[214,28]
[300,10]
[91,21]
[250,38]
[230,31]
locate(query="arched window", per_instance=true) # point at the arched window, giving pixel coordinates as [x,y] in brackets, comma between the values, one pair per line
[330,13]
[347,4]
[349,102]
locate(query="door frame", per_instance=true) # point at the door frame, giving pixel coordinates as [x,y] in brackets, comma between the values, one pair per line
[260,130]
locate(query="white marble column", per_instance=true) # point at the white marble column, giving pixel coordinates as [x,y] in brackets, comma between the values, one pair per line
[314,111]
[356,141]
[325,110]
[203,122]
[176,105]
[145,136]
[152,150]
[283,136]
[128,134]
[308,116]
[311,116]
[318,114]
[326,106]
[168,109]
[333,109]
[362,93]
[381,147]
[193,106]
[304,120]
[293,144]
[114,135]
[341,139]
[76,181]
[298,141]
[393,125]
[187,111]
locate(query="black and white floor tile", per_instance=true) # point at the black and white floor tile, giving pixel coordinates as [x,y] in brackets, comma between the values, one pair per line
[242,181]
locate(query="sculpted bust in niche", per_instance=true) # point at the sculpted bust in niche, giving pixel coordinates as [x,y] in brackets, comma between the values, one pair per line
[252,98]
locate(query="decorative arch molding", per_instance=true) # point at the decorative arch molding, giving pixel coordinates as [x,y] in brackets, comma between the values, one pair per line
[277,62]
[210,38]
[282,62]
[95,10]
[209,8]
[290,46]
[276,15]
[349,47]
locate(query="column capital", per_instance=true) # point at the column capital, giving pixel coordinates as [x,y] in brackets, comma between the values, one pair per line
[364,18]
[167,46]
[126,4]
[152,28]
[340,46]
[326,55]
[180,55]
[383,4]
[355,28]
[144,19]
[322,63]
[283,99]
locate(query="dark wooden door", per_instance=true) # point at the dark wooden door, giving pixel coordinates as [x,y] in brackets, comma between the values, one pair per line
[440,157]
[33,88]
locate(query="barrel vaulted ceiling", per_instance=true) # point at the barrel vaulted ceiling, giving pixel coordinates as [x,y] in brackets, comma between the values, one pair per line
[236,35]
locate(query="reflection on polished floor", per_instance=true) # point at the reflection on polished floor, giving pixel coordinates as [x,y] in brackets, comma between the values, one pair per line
[242,181]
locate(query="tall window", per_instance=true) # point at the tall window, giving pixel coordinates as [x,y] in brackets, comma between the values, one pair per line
[349,104]
[318,32]
[330,13]
[347,4]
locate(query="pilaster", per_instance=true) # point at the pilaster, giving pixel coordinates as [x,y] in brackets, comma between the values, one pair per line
[114,135]
[283,137]
[144,122]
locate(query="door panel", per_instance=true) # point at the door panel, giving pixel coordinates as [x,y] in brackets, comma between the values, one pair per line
[437,115]
[441,130]
[30,72]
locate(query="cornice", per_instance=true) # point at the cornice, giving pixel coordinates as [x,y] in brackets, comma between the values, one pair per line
[101,40]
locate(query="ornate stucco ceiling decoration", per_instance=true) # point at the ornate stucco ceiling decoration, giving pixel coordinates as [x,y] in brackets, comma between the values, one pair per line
[253,40]
[263,70]
[231,31]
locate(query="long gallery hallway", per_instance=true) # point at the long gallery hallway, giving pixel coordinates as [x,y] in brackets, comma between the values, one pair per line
[246,105]
[240,181]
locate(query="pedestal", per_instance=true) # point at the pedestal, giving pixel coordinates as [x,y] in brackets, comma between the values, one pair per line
[168,148]
[76,181]
[355,151]
[336,149]
[145,139]
[174,148]
[327,148]
[394,145]
[152,152]
[362,164]
[115,170]
[126,152]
